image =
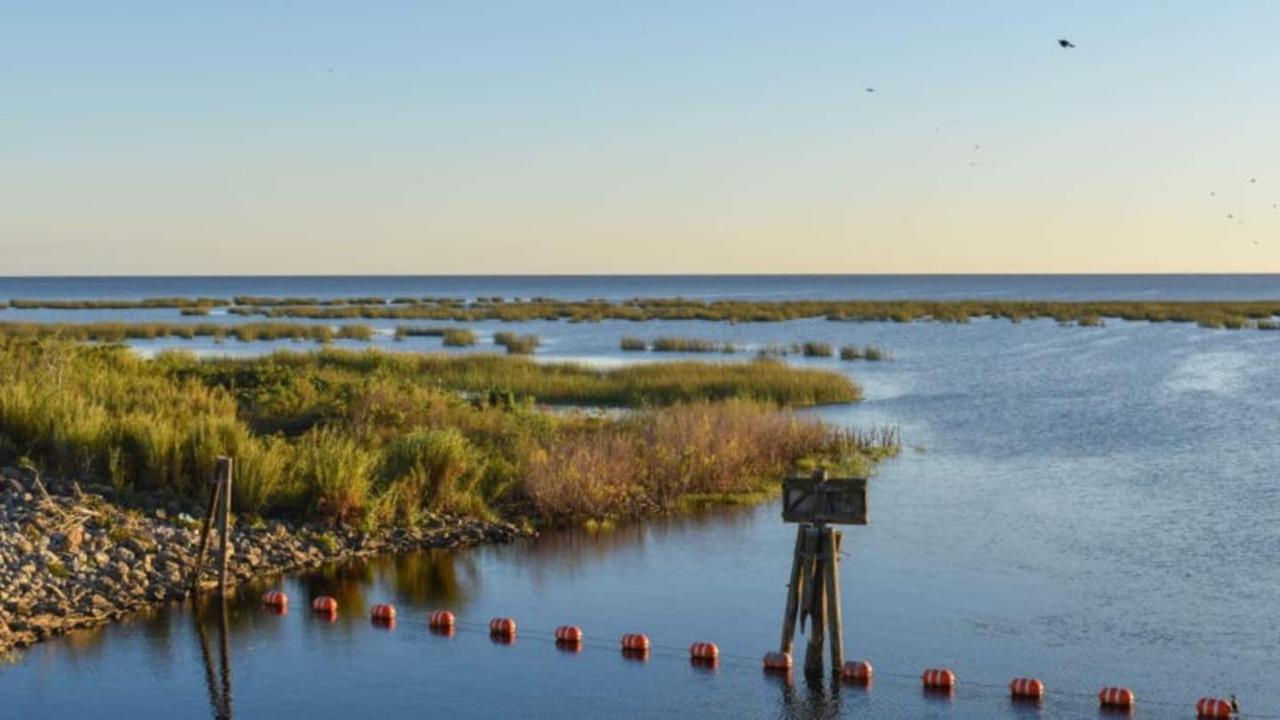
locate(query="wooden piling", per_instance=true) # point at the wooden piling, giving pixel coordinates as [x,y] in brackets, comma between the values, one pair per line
[210,516]
[835,623]
[793,593]
[224,480]
[817,605]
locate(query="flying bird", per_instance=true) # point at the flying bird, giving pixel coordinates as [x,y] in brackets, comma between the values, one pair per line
[871,89]
[1063,43]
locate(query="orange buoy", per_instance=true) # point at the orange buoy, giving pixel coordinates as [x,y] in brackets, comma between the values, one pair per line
[275,598]
[1026,688]
[324,604]
[1116,697]
[856,671]
[777,661]
[704,651]
[383,613]
[1213,708]
[569,634]
[938,679]
[635,642]
[502,627]
[441,619]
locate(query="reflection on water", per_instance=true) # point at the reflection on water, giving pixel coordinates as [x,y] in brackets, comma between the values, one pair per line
[219,681]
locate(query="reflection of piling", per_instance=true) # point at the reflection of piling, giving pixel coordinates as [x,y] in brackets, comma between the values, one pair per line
[218,683]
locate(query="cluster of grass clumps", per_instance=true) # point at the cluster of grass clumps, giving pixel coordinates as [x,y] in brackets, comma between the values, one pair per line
[259,301]
[664,383]
[459,337]
[817,349]
[1206,313]
[1210,314]
[873,353]
[517,344]
[669,343]
[144,304]
[108,332]
[370,439]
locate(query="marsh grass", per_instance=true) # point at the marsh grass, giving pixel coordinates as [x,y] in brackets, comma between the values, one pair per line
[459,337]
[109,332]
[873,353]
[1206,313]
[817,349]
[634,344]
[148,303]
[364,438]
[517,344]
[691,345]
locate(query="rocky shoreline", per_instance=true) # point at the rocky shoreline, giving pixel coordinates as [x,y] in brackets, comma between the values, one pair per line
[73,558]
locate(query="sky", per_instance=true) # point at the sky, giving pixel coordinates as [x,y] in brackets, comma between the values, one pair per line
[653,137]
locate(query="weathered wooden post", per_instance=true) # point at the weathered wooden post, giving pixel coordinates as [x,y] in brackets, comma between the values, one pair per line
[224,479]
[814,590]
[210,517]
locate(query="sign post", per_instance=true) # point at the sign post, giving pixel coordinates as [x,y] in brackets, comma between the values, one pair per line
[813,592]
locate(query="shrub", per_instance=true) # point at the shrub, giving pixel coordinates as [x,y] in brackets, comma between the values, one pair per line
[455,337]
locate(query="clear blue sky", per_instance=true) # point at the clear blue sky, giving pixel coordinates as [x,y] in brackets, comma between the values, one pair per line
[317,137]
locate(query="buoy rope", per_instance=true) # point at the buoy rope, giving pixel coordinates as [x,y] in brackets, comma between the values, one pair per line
[754,661]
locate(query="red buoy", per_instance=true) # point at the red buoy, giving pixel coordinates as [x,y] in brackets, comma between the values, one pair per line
[856,671]
[1213,708]
[938,679]
[503,627]
[571,634]
[635,642]
[275,598]
[383,613]
[777,661]
[1119,697]
[704,651]
[1026,688]
[324,604]
[440,619]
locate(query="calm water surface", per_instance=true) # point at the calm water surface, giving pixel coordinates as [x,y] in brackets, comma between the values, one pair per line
[1090,506]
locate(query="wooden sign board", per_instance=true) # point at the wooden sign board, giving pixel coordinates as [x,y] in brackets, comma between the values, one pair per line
[840,501]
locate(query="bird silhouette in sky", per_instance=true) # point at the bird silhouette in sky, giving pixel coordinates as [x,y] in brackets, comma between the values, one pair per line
[1253,180]
[871,89]
[1064,43]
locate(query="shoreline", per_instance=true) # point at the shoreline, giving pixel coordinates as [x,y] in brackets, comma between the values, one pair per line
[72,559]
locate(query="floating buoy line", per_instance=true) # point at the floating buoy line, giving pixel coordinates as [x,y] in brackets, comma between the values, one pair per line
[856,674]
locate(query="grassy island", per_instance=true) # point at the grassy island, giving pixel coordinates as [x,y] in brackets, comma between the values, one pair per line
[373,439]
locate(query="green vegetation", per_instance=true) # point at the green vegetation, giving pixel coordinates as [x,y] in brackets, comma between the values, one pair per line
[148,303]
[109,332]
[459,337]
[645,384]
[817,349]
[1212,314]
[867,352]
[366,439]
[517,344]
[691,345]
[634,344]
